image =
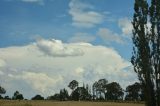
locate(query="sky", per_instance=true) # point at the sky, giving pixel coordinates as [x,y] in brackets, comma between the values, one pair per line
[45,44]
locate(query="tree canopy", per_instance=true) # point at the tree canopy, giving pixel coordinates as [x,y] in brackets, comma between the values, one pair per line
[17,96]
[73,84]
[38,97]
[2,90]
[114,91]
[134,92]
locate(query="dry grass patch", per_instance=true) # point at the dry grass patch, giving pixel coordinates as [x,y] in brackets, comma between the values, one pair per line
[68,103]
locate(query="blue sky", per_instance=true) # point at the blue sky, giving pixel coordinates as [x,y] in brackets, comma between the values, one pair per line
[31,24]
[21,21]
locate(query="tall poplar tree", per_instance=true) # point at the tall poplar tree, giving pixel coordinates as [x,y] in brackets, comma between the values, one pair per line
[155,44]
[146,49]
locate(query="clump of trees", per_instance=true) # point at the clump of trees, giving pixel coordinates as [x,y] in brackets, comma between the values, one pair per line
[102,90]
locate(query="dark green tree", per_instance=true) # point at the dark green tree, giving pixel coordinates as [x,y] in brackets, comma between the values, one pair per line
[38,97]
[95,90]
[102,88]
[7,98]
[64,95]
[99,89]
[54,97]
[114,91]
[2,91]
[80,93]
[1,97]
[146,50]
[88,92]
[75,94]
[17,96]
[73,85]
[134,92]
[154,11]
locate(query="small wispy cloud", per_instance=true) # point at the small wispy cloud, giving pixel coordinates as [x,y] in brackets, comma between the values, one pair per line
[40,2]
[126,26]
[82,37]
[109,36]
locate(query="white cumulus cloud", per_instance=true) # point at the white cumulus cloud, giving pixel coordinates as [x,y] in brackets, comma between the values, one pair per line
[32,73]
[83,16]
[57,48]
[40,81]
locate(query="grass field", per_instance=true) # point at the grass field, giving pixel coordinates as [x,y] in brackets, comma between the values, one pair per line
[68,103]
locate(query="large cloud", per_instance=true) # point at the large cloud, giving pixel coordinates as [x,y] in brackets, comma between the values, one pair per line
[83,16]
[28,70]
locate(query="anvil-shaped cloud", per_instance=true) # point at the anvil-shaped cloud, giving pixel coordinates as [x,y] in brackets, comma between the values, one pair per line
[46,66]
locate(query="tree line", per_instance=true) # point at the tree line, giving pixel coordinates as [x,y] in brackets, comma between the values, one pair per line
[100,90]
